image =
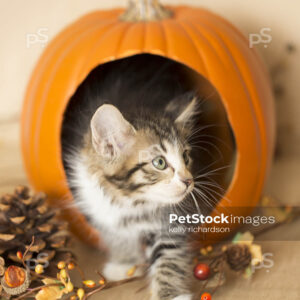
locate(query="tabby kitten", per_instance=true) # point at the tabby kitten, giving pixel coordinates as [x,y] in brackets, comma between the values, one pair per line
[130,169]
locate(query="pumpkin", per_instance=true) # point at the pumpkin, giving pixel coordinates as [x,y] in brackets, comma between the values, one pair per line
[195,37]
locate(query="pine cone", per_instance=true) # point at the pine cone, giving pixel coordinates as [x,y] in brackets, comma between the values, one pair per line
[238,257]
[24,216]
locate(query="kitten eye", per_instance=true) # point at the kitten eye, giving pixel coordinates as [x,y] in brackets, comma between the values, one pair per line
[159,163]
[186,157]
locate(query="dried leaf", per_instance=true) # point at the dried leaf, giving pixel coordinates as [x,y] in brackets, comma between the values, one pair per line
[58,243]
[4,207]
[47,256]
[7,199]
[131,271]
[1,270]
[51,292]
[217,280]
[42,209]
[45,228]
[18,220]
[62,226]
[29,225]
[59,234]
[243,238]
[89,283]
[7,237]
[38,199]
[22,191]
[37,246]
[15,258]
[256,254]
[248,272]
[27,201]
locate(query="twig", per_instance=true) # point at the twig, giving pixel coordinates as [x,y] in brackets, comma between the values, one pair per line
[211,256]
[31,291]
[112,284]
[26,252]
[221,272]
[98,289]
[80,271]
[40,276]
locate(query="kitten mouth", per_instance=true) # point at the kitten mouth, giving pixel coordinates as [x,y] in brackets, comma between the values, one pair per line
[185,193]
[190,188]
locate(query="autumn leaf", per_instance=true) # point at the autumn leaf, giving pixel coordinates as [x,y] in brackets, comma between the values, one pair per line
[51,292]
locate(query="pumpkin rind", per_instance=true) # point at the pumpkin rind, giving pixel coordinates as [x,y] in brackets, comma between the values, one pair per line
[195,37]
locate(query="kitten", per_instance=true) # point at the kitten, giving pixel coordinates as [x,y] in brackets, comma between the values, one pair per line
[129,168]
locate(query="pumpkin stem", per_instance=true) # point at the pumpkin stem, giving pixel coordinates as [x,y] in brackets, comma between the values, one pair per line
[145,10]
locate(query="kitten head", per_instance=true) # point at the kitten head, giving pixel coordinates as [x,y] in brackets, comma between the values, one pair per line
[146,160]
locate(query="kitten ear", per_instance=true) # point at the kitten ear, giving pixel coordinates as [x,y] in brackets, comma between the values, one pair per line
[183,108]
[111,133]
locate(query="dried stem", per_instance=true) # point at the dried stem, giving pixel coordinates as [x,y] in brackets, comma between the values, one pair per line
[145,10]
[26,252]
[112,284]
[31,291]
[80,271]
[221,271]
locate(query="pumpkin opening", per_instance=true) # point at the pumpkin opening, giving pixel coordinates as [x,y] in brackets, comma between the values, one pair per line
[213,144]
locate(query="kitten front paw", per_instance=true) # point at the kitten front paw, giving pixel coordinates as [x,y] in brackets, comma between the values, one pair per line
[117,271]
[114,271]
[183,297]
[180,297]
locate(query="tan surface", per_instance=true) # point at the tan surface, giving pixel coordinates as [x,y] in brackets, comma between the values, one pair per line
[19,18]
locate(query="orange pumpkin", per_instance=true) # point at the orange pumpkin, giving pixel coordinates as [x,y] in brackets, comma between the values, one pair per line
[194,37]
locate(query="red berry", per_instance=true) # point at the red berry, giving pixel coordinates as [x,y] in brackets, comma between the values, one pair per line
[201,271]
[206,296]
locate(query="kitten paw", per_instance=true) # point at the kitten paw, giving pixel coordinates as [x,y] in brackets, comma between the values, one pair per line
[183,297]
[180,297]
[114,271]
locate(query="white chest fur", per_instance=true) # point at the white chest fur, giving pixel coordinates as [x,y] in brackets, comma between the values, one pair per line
[91,198]
[95,203]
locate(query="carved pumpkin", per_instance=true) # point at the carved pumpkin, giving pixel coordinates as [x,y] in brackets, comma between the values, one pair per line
[194,37]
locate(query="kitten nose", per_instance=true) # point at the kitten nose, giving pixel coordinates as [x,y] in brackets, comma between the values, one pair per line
[188,181]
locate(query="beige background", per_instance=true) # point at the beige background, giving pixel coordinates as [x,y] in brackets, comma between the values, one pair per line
[20,19]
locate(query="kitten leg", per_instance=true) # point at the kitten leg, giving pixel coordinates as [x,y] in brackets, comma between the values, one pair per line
[171,269]
[123,256]
[183,297]
[118,271]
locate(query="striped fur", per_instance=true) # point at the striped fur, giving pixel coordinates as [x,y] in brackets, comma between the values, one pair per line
[129,200]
